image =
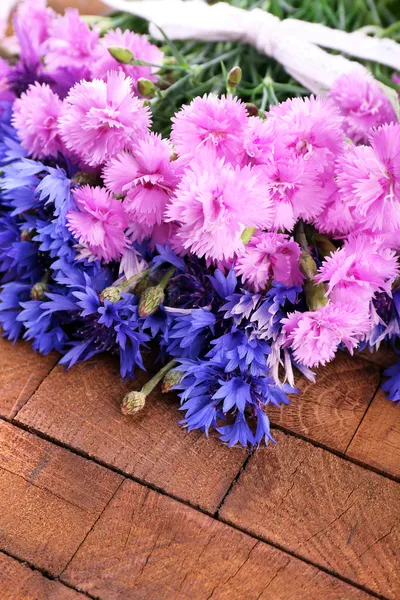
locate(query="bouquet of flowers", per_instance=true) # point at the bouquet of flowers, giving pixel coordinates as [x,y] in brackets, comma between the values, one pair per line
[237,248]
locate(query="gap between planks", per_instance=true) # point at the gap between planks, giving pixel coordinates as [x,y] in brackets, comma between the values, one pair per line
[46,574]
[365,414]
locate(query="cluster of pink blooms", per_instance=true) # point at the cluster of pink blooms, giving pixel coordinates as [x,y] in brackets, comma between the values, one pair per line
[223,173]
[63,49]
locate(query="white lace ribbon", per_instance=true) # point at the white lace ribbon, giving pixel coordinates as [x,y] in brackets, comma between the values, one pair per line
[294,44]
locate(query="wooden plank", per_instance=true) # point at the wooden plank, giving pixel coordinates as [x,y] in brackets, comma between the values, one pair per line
[21,372]
[49,498]
[146,546]
[377,441]
[323,508]
[80,407]
[330,410]
[19,582]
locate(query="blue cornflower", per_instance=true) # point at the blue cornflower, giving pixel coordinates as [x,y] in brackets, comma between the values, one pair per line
[55,189]
[159,323]
[239,306]
[27,260]
[209,394]
[19,183]
[11,295]
[235,393]
[392,384]
[279,300]
[6,109]
[239,433]
[195,289]
[189,332]
[10,148]
[9,237]
[27,72]
[223,285]
[54,239]
[167,256]
[109,327]
[236,350]
[42,328]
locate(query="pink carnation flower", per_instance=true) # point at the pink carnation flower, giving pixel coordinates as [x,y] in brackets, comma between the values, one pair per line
[141,49]
[32,23]
[310,128]
[259,139]
[214,203]
[369,180]
[269,256]
[294,190]
[146,178]
[71,48]
[157,234]
[363,103]
[99,223]
[100,118]
[314,336]
[337,217]
[35,118]
[360,269]
[210,123]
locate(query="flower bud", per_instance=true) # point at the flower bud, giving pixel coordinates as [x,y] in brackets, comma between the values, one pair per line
[252,109]
[121,55]
[38,290]
[315,295]
[234,77]
[133,402]
[113,294]
[169,60]
[146,87]
[150,300]
[172,378]
[324,245]
[307,265]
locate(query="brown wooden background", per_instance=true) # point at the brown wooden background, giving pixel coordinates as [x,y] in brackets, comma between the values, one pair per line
[97,505]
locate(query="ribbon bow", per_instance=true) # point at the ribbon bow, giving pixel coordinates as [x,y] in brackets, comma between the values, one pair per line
[293,43]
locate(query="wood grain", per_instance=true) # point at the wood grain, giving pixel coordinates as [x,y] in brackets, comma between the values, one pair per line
[377,441]
[330,410]
[81,408]
[21,372]
[49,498]
[146,546]
[19,582]
[323,508]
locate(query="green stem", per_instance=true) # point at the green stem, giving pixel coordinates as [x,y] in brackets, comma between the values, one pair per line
[390,31]
[155,380]
[165,279]
[300,236]
[143,63]
[132,280]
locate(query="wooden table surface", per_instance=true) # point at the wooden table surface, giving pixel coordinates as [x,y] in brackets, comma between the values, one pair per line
[97,505]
